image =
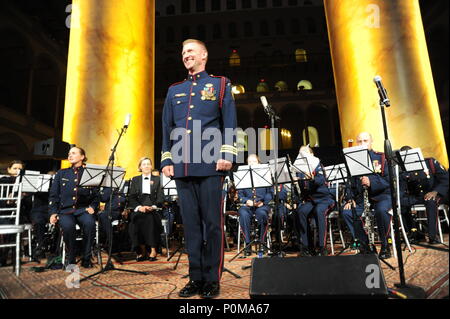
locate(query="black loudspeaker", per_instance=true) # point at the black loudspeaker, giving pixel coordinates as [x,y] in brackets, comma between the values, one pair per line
[355,276]
[52,148]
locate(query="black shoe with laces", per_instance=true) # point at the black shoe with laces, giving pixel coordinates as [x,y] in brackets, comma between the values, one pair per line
[210,290]
[192,288]
[385,253]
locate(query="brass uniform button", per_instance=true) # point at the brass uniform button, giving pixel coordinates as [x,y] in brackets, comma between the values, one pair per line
[193,94]
[190,118]
[191,106]
[189,131]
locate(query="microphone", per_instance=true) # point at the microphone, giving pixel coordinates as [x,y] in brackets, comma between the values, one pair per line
[381,91]
[264,103]
[127,120]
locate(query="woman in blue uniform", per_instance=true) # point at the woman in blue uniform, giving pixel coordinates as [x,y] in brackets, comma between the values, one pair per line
[71,204]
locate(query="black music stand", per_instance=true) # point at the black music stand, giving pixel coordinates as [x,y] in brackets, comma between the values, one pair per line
[280,175]
[252,176]
[170,191]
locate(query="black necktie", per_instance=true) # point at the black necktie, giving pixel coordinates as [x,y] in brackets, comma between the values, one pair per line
[145,177]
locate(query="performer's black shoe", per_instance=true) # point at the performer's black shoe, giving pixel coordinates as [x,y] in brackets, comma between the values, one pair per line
[142,258]
[433,241]
[86,263]
[385,253]
[192,288]
[210,290]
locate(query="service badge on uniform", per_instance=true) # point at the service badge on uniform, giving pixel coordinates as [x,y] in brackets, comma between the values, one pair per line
[208,92]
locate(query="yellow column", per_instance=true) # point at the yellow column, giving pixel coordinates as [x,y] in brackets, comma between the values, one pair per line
[110,73]
[385,38]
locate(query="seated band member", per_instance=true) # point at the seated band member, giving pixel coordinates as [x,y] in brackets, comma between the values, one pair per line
[379,197]
[424,187]
[317,201]
[144,197]
[71,204]
[256,203]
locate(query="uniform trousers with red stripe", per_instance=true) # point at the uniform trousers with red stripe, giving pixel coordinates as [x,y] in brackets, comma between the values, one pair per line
[319,210]
[382,217]
[200,201]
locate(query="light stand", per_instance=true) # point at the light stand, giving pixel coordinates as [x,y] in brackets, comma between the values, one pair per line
[110,171]
[408,290]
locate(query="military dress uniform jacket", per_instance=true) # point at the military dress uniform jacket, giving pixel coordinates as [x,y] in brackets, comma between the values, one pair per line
[67,197]
[119,199]
[208,101]
[414,185]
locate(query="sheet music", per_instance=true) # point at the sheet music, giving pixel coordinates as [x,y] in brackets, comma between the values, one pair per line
[336,172]
[261,176]
[414,160]
[358,160]
[282,175]
[169,186]
[306,164]
[36,183]
[94,175]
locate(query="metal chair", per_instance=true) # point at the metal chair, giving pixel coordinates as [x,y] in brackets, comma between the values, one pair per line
[79,238]
[11,195]
[441,219]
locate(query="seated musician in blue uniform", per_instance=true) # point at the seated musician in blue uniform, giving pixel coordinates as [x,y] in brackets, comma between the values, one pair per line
[71,204]
[200,104]
[316,201]
[255,203]
[145,227]
[428,187]
[379,196]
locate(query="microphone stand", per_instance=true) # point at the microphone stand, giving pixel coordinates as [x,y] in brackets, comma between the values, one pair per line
[272,115]
[407,289]
[110,171]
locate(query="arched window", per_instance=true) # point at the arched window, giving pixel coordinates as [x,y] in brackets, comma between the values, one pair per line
[262,86]
[200,5]
[281,86]
[231,4]
[248,29]
[262,3]
[185,6]
[170,35]
[238,89]
[264,28]
[304,85]
[311,137]
[217,31]
[279,27]
[215,5]
[311,25]
[295,26]
[301,56]
[235,59]
[277,3]
[170,10]
[232,30]
[246,4]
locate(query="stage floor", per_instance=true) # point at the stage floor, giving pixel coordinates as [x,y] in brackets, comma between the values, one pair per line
[425,267]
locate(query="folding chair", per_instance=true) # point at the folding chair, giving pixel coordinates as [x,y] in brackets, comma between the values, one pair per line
[10,199]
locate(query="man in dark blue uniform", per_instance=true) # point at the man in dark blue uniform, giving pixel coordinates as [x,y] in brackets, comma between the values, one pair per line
[317,200]
[71,204]
[118,206]
[256,202]
[428,187]
[198,148]
[379,195]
